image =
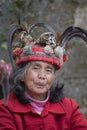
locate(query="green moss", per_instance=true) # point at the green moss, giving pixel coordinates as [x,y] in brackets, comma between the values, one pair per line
[3,46]
[2,36]
[17,6]
[51,1]
[13,8]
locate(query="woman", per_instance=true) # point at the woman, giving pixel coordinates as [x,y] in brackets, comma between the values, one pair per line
[5,71]
[37,101]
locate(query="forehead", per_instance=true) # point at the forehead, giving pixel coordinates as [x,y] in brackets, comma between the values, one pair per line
[42,63]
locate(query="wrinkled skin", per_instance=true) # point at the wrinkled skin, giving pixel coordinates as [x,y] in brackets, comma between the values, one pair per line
[39,79]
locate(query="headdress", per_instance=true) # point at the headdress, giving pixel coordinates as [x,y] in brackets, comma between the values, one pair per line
[48,47]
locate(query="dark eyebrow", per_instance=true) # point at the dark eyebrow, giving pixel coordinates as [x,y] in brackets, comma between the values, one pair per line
[51,67]
[35,64]
[48,66]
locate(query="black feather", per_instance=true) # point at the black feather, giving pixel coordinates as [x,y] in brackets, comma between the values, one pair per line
[72,32]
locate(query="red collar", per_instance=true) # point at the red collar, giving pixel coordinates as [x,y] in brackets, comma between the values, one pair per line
[17,107]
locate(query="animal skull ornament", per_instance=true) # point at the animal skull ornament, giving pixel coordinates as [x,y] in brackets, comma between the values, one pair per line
[48,38]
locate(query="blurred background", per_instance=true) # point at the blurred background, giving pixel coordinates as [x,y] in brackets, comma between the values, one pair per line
[59,14]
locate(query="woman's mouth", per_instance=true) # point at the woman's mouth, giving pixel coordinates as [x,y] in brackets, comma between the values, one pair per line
[40,84]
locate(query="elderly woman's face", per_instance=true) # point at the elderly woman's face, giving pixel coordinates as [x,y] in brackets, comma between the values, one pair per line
[39,78]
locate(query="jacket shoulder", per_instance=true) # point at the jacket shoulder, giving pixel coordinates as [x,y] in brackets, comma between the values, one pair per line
[70,104]
[1,101]
[11,101]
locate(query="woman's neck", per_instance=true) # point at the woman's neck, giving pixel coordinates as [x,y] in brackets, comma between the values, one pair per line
[38,97]
[38,105]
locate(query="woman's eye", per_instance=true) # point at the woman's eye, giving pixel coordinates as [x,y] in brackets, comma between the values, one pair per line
[49,70]
[35,67]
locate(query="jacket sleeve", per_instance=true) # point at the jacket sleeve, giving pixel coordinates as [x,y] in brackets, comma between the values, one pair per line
[78,120]
[6,119]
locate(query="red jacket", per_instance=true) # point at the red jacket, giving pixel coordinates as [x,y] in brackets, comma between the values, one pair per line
[63,115]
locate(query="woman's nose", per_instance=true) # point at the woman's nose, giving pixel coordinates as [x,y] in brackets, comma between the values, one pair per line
[42,74]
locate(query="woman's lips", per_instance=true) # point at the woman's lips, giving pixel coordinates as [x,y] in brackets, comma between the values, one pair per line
[40,84]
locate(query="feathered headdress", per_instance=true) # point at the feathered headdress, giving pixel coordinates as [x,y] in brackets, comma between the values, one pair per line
[48,47]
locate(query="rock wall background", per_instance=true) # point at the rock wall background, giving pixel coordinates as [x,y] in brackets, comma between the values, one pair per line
[59,14]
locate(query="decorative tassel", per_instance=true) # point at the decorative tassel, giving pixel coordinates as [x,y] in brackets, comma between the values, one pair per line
[58,51]
[48,49]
